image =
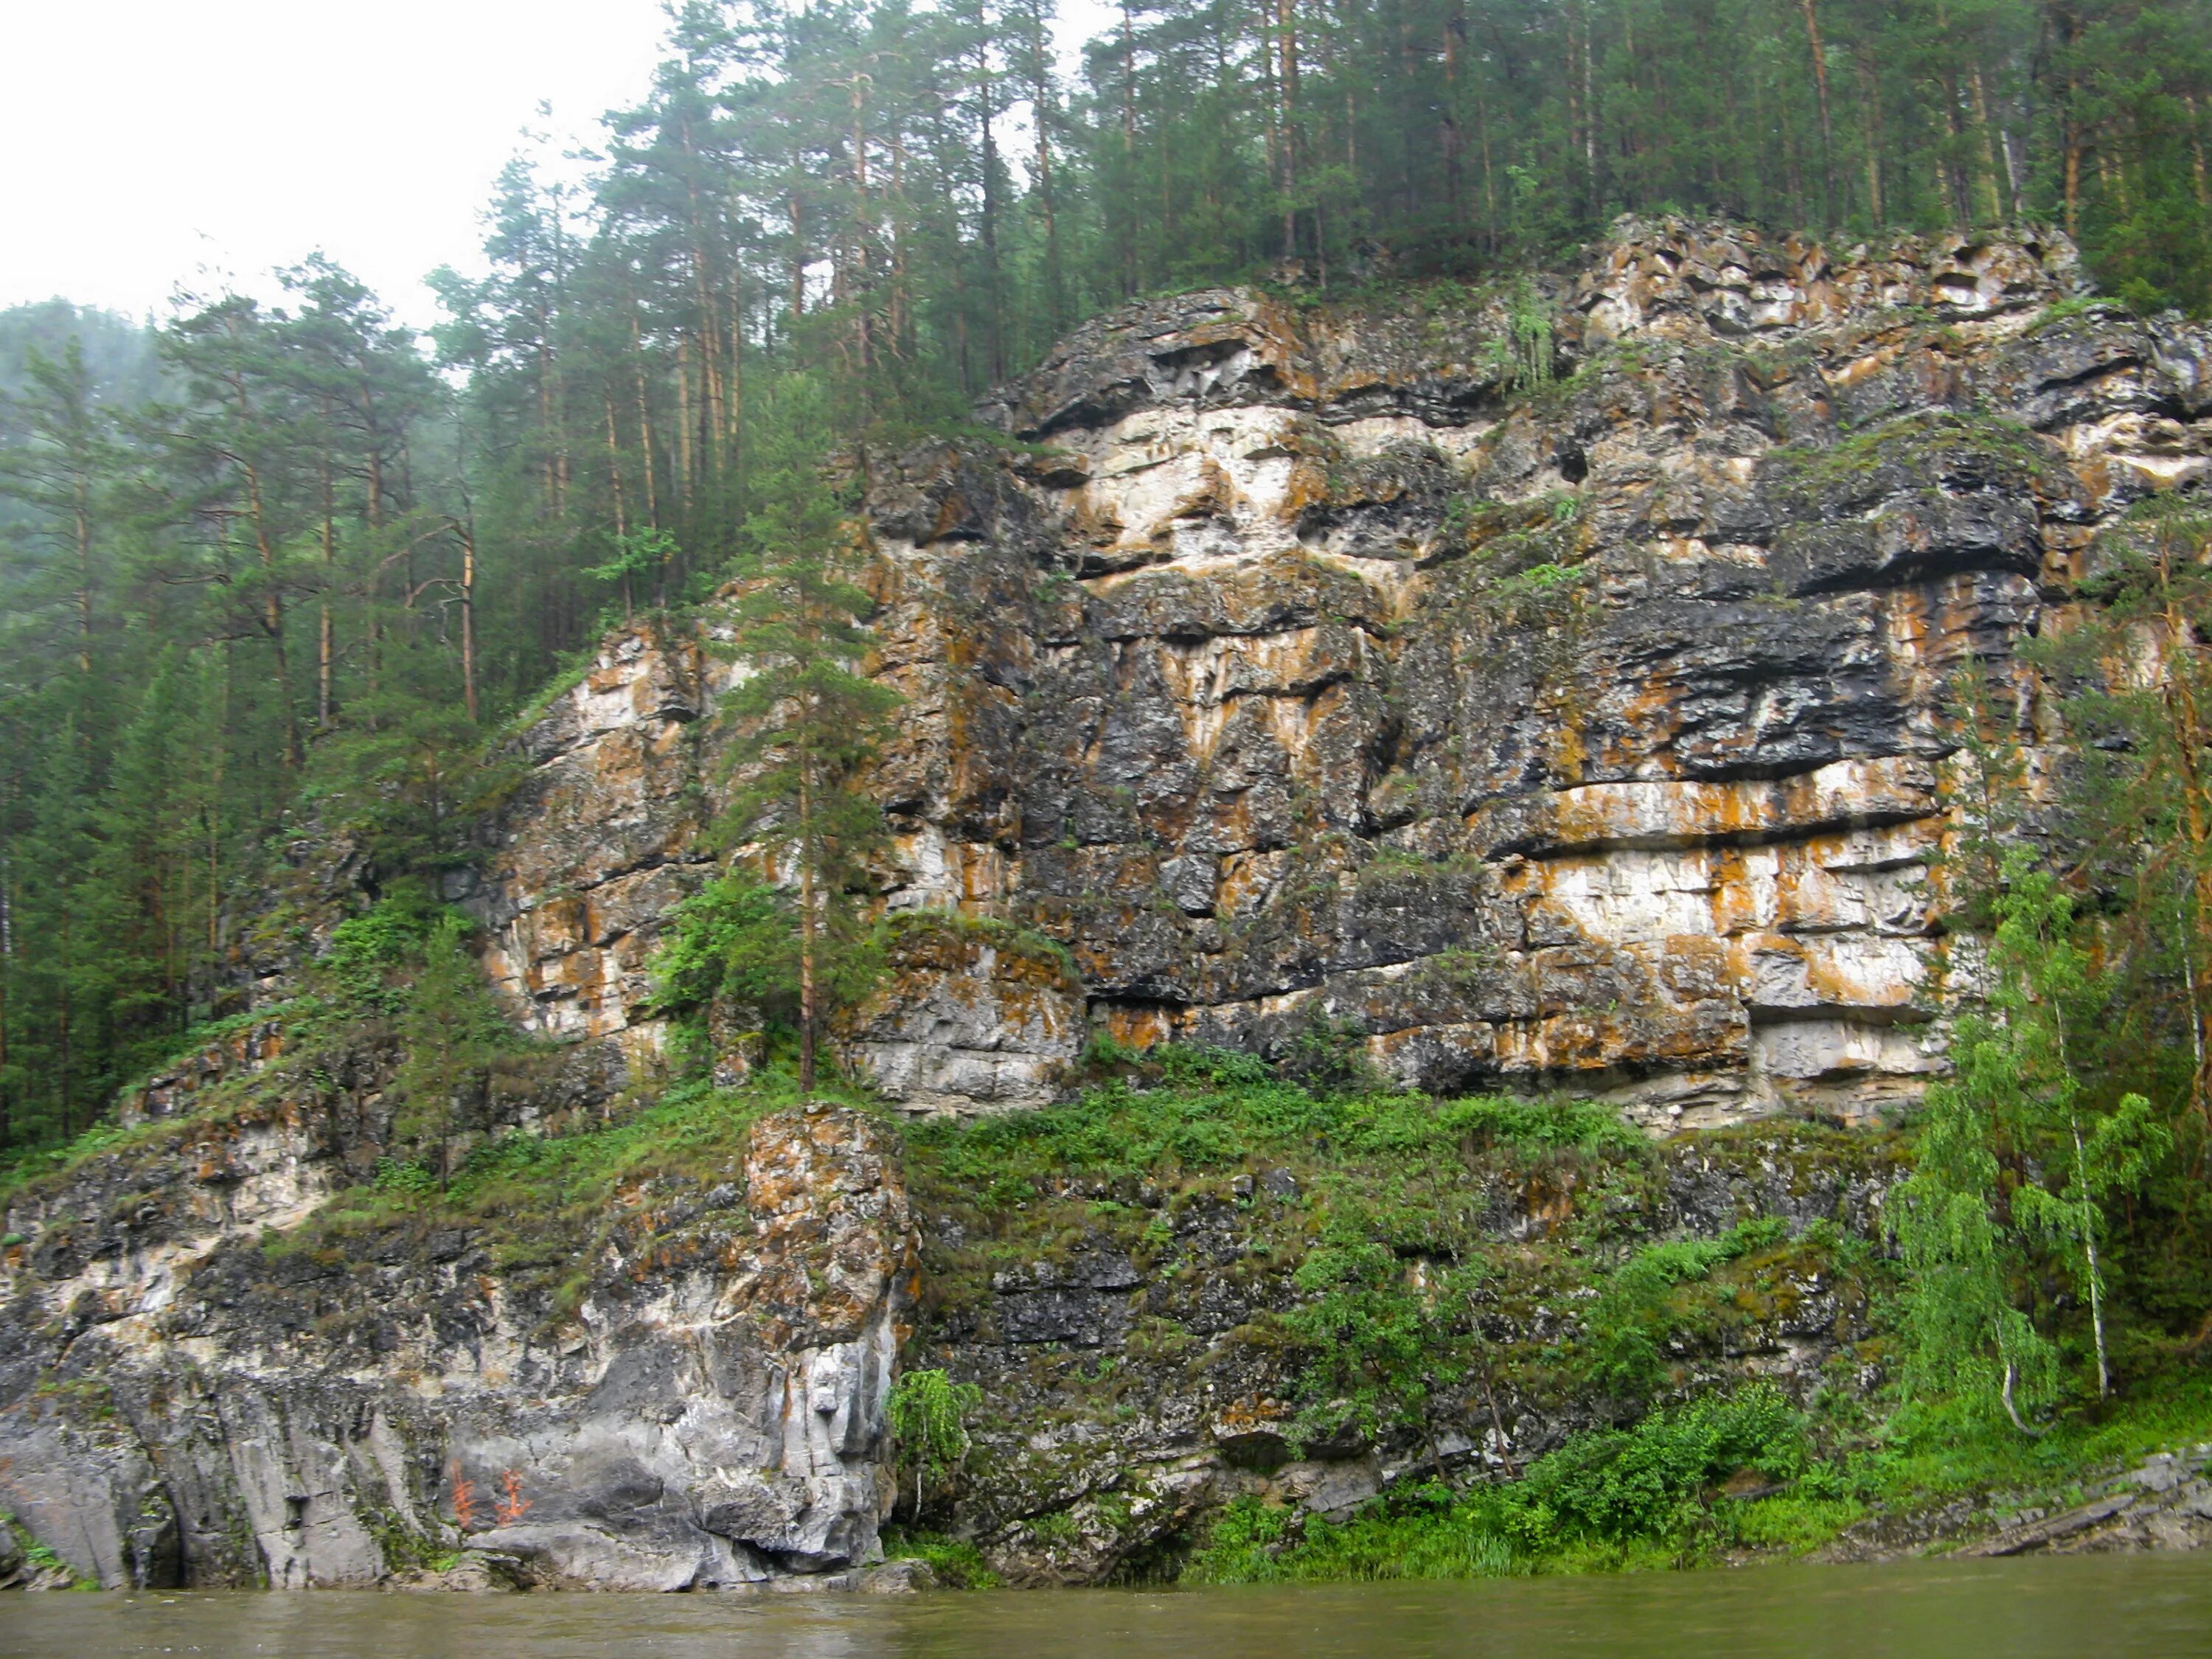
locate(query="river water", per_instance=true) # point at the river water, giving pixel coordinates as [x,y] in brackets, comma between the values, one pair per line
[2157,1607]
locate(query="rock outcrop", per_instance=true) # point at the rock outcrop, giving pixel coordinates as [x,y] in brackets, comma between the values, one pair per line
[1547,687]
[1128,1333]
[195,1391]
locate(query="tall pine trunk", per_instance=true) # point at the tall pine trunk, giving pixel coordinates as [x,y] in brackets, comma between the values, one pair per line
[1827,126]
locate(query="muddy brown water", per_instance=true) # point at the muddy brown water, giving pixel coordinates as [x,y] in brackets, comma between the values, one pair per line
[2083,1607]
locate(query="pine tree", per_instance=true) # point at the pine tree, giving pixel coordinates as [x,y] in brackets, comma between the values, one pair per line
[323,540]
[57,906]
[809,721]
[57,463]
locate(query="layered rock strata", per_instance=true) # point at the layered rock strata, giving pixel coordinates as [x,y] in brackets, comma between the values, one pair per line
[1547,687]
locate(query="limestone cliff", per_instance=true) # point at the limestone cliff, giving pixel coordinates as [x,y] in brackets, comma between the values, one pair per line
[1539,687]
[1546,686]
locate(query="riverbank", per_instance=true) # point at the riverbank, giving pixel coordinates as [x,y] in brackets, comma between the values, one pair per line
[1977,1497]
[1211,1325]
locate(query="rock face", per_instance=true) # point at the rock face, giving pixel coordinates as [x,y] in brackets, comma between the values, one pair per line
[1545,689]
[598,846]
[183,1398]
[1124,1332]
[967,1020]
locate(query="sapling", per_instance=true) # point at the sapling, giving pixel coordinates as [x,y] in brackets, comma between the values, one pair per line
[1378,1348]
[2041,978]
[928,1415]
[2014,1095]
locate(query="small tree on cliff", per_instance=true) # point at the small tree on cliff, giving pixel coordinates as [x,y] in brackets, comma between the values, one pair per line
[451,1030]
[929,1414]
[809,721]
[1378,1346]
[2014,1153]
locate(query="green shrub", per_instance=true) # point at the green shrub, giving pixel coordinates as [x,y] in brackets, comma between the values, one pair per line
[1331,1054]
[1606,1497]
[1244,1544]
[1585,1125]
[1195,1066]
[957,1564]
[369,952]
[1428,1533]
[1639,1305]
[735,938]
[929,1413]
[1647,1481]
[404,1176]
[1375,1348]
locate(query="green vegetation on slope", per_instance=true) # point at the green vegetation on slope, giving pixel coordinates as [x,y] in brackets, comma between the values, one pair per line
[1409,1299]
[1721,1471]
[1411,1254]
[1716,1480]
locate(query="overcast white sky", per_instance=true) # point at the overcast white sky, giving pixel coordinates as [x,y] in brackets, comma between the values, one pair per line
[141,140]
[147,142]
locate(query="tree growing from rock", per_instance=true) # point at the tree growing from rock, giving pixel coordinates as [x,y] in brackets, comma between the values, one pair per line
[449,1031]
[929,1414]
[809,721]
[1379,1346]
